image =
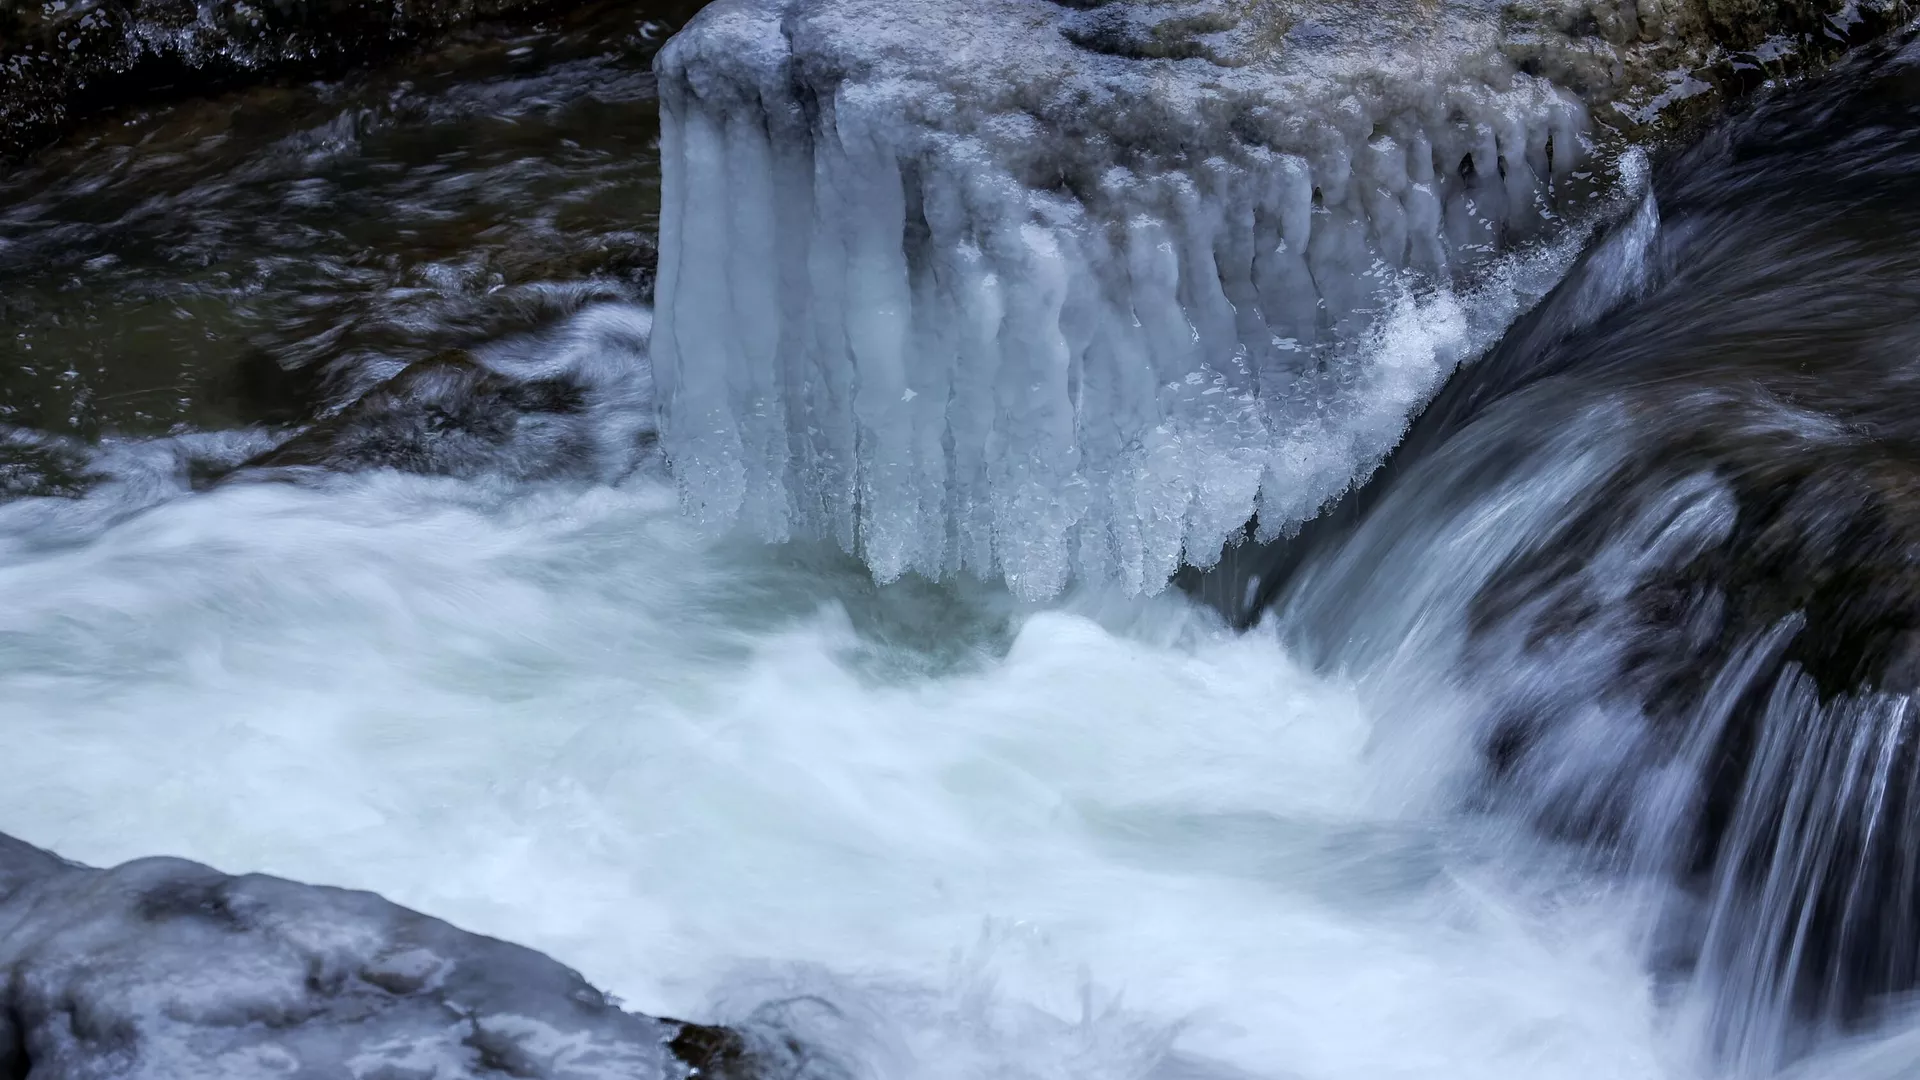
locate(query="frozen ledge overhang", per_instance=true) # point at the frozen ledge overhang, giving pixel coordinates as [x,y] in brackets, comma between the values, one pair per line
[1052,292]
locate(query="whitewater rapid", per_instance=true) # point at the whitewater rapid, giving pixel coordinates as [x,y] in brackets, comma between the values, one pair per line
[928,830]
[1104,838]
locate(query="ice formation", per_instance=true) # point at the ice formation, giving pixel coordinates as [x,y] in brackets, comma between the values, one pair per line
[1052,292]
[163,968]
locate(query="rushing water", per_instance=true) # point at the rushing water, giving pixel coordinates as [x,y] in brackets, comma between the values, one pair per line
[931,831]
[158,269]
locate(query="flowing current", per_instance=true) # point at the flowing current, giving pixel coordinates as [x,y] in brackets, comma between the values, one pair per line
[927,829]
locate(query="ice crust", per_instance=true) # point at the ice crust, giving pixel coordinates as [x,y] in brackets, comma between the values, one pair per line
[1023,290]
[163,969]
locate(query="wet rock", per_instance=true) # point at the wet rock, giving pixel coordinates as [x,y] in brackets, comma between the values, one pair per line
[1766,339]
[32,463]
[1664,542]
[1822,537]
[65,61]
[163,969]
[444,416]
[1226,32]
[1703,664]
[1743,605]
[1624,42]
[1772,203]
[573,402]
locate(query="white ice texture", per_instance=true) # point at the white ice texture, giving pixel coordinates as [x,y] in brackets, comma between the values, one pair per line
[162,969]
[1047,293]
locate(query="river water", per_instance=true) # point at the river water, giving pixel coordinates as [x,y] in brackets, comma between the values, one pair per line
[931,831]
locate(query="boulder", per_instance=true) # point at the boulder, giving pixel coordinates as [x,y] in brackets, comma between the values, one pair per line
[163,969]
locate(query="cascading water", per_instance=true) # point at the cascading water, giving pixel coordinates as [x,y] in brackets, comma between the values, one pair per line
[1674,515]
[1587,751]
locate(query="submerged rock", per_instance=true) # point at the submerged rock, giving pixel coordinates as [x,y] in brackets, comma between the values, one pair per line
[575,401]
[1043,291]
[163,969]
[444,416]
[1734,615]
[36,464]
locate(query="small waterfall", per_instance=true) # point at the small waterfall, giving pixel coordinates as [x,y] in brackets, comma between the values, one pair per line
[1578,745]
[1816,893]
[1647,571]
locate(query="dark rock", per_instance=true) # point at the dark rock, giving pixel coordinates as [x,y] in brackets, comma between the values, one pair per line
[1176,29]
[1772,203]
[444,416]
[163,969]
[1703,663]
[573,402]
[32,463]
[64,62]
[1761,682]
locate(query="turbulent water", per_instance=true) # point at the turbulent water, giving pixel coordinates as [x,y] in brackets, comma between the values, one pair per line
[928,829]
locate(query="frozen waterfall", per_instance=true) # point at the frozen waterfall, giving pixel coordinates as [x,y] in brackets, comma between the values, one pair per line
[1046,293]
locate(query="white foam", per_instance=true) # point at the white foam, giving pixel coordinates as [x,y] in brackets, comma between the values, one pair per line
[1118,843]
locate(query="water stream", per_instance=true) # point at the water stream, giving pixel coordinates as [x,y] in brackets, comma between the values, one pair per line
[929,829]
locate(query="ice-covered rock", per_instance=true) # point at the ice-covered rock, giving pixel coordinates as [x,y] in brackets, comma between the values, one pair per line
[163,969]
[1045,291]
